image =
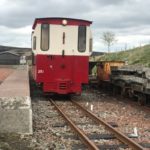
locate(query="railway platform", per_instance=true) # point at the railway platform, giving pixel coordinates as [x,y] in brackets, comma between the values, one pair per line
[15,103]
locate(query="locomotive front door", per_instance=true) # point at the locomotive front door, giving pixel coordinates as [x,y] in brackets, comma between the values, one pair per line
[61,58]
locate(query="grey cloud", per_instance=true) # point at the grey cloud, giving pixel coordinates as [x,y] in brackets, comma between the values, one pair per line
[121,16]
[103,12]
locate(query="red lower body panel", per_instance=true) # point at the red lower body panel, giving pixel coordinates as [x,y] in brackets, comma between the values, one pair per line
[62,87]
[61,74]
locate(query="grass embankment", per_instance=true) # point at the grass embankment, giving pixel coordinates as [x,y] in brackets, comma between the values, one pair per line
[139,55]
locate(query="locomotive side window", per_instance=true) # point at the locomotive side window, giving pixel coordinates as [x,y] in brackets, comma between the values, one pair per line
[82,38]
[91,45]
[44,37]
[34,42]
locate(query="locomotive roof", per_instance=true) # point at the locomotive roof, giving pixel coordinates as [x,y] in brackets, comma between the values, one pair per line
[58,20]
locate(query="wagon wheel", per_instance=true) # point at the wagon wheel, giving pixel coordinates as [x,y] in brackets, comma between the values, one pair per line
[130,93]
[123,92]
[141,99]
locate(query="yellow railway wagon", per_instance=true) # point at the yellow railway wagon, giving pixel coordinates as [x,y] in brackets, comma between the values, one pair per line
[104,69]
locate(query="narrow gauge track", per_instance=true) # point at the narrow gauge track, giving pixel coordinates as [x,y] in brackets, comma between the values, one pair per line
[82,135]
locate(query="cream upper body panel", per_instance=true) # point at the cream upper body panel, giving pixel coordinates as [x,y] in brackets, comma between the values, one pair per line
[62,38]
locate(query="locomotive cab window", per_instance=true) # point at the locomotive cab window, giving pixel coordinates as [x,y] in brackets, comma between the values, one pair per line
[34,42]
[44,37]
[82,38]
[90,44]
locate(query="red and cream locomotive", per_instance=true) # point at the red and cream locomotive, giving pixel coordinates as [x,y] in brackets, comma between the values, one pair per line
[61,49]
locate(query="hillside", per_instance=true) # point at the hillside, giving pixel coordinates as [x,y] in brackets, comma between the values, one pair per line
[15,50]
[8,48]
[139,55]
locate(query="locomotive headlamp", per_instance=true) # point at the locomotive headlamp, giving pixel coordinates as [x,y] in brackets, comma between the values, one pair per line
[64,22]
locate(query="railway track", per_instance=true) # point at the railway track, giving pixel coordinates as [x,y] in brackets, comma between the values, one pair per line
[82,134]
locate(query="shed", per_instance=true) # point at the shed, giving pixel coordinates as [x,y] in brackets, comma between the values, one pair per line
[9,58]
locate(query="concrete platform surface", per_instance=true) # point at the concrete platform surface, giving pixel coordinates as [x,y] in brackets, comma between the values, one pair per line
[15,103]
[4,73]
[17,84]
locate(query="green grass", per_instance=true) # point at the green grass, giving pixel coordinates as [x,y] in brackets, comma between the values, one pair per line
[139,55]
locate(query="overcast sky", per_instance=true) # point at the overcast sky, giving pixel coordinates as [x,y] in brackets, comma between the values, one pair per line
[128,19]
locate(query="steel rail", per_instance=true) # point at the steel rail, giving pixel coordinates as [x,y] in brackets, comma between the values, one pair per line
[80,133]
[123,138]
